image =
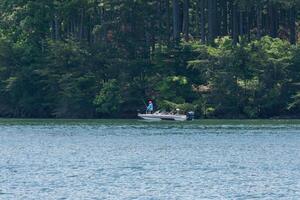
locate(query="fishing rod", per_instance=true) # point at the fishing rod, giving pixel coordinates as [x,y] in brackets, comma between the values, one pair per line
[144,102]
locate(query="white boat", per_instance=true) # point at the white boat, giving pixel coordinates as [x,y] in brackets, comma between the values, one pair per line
[160,116]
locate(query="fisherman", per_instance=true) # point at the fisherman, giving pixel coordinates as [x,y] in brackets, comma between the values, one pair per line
[150,108]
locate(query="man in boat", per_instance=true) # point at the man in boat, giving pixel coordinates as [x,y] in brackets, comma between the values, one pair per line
[150,108]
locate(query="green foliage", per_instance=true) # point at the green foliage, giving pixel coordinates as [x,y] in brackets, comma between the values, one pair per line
[86,58]
[109,100]
[250,80]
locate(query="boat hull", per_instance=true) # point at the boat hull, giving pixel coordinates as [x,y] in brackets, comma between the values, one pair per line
[159,117]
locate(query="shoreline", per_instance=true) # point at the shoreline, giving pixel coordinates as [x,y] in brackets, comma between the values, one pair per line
[204,122]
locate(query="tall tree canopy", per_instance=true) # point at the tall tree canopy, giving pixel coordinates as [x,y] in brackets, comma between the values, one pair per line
[102,58]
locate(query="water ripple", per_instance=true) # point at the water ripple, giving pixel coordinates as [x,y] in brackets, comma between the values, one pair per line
[149,161]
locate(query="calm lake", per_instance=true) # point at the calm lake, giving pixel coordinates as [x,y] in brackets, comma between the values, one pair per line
[119,159]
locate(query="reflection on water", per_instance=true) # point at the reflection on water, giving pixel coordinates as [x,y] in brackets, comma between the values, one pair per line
[149,161]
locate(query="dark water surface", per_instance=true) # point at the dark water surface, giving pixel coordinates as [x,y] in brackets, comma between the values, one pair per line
[135,160]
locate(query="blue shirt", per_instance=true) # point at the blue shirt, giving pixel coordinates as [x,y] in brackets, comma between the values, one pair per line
[150,107]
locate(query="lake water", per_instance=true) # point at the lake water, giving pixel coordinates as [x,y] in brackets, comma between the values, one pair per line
[136,160]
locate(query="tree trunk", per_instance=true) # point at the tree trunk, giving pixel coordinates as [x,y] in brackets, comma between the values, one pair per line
[224,18]
[89,29]
[168,20]
[186,19]
[57,27]
[211,20]
[248,26]
[176,24]
[81,31]
[273,15]
[259,21]
[235,21]
[241,26]
[292,25]
[202,21]
[53,29]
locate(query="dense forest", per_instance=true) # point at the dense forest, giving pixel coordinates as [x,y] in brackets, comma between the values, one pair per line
[105,58]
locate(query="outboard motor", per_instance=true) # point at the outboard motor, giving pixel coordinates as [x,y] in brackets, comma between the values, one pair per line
[190,116]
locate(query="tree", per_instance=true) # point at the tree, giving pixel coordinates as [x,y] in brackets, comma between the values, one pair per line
[234,58]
